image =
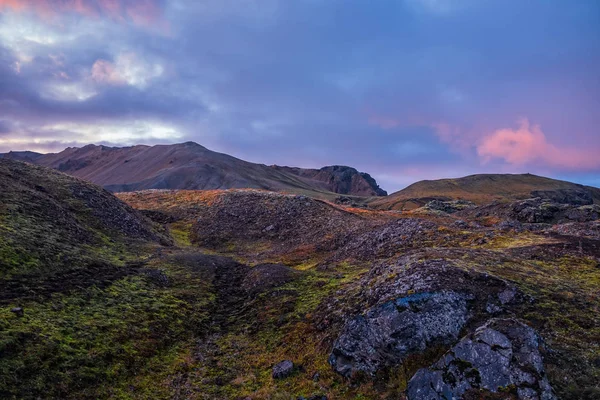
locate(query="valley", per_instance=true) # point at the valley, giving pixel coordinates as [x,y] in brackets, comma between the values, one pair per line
[191,294]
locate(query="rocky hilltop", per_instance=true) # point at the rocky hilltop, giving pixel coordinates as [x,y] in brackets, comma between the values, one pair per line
[340,179]
[252,294]
[192,166]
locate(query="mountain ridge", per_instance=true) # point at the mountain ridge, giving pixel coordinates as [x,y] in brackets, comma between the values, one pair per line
[192,166]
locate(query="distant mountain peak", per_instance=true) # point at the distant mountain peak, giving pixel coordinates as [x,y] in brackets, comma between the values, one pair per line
[190,165]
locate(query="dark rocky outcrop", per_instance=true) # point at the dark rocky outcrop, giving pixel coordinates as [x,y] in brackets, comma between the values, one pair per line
[388,333]
[536,211]
[448,207]
[577,197]
[502,355]
[418,305]
[340,179]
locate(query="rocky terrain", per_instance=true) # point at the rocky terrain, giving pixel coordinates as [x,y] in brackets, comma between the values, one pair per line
[191,166]
[250,294]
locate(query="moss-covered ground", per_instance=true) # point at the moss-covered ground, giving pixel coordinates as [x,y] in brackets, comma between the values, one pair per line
[111,317]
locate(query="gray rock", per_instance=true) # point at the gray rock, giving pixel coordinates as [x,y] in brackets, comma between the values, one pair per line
[499,354]
[507,295]
[388,333]
[283,369]
[408,307]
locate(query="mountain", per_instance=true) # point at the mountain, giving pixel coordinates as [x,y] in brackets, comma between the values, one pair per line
[192,166]
[29,156]
[486,188]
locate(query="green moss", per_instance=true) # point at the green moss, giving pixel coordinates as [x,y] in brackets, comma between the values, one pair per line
[99,343]
[181,233]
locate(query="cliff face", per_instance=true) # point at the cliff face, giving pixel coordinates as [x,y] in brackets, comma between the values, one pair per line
[340,179]
[347,180]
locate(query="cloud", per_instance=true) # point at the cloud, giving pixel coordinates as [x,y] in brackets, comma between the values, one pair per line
[5,126]
[128,69]
[528,145]
[292,82]
[49,137]
[139,12]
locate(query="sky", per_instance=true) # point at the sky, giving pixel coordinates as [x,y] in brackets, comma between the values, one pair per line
[402,89]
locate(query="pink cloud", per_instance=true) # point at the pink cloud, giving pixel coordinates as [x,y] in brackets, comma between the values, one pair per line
[17,5]
[105,71]
[528,145]
[146,13]
[525,145]
[128,68]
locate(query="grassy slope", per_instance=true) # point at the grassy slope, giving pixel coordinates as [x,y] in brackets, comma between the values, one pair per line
[91,319]
[479,189]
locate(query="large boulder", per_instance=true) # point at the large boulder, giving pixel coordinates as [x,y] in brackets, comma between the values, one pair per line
[502,355]
[388,333]
[416,306]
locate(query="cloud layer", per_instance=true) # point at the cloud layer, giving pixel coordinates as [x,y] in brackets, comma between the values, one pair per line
[142,12]
[403,89]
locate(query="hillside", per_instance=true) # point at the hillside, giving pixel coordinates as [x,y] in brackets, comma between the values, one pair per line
[485,188]
[52,224]
[191,166]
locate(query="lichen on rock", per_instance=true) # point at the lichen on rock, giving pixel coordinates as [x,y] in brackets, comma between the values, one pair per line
[503,354]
